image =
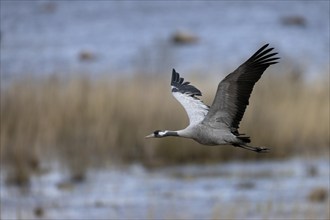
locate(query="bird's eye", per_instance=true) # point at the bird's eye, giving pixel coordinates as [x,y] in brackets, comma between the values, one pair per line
[156,132]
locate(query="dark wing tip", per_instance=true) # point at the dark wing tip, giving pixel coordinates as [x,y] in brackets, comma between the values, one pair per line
[182,86]
[175,77]
[263,56]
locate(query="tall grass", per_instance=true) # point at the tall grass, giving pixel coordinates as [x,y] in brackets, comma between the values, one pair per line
[81,122]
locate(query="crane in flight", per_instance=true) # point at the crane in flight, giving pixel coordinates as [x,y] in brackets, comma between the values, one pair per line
[219,123]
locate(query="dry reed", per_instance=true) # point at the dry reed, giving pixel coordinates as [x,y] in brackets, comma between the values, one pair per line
[82,122]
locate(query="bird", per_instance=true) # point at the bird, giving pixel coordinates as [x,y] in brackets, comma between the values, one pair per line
[218,124]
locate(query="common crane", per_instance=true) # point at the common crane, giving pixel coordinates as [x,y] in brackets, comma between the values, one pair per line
[219,123]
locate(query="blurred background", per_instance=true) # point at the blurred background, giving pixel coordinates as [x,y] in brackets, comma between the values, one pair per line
[83,82]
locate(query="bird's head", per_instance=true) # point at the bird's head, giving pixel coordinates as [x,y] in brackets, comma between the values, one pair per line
[157,134]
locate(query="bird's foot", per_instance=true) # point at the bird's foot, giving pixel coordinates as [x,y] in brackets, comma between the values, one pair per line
[252,148]
[262,149]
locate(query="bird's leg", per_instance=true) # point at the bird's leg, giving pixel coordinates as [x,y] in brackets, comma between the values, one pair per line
[255,149]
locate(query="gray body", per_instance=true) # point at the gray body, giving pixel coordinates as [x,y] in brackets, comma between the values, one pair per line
[218,124]
[206,135]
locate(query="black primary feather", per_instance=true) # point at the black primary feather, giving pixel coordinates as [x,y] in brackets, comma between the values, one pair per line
[183,87]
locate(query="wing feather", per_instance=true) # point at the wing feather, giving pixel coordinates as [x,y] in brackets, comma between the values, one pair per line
[232,96]
[186,95]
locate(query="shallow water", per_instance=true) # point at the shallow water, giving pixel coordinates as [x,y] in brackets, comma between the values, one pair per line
[251,189]
[40,37]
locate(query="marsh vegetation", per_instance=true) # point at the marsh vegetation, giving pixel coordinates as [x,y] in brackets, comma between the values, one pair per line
[86,122]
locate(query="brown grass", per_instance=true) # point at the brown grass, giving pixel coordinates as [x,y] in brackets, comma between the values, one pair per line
[81,122]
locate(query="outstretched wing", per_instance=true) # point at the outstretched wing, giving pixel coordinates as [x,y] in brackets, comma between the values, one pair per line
[186,95]
[234,90]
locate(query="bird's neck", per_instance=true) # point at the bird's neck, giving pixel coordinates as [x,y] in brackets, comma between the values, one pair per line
[171,133]
[180,133]
[186,133]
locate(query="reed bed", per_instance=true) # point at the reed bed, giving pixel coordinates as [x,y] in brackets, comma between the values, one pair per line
[82,122]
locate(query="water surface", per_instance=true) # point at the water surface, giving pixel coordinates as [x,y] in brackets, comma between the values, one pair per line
[278,189]
[44,37]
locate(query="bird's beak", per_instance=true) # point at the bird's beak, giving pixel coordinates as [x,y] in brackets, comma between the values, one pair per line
[150,136]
